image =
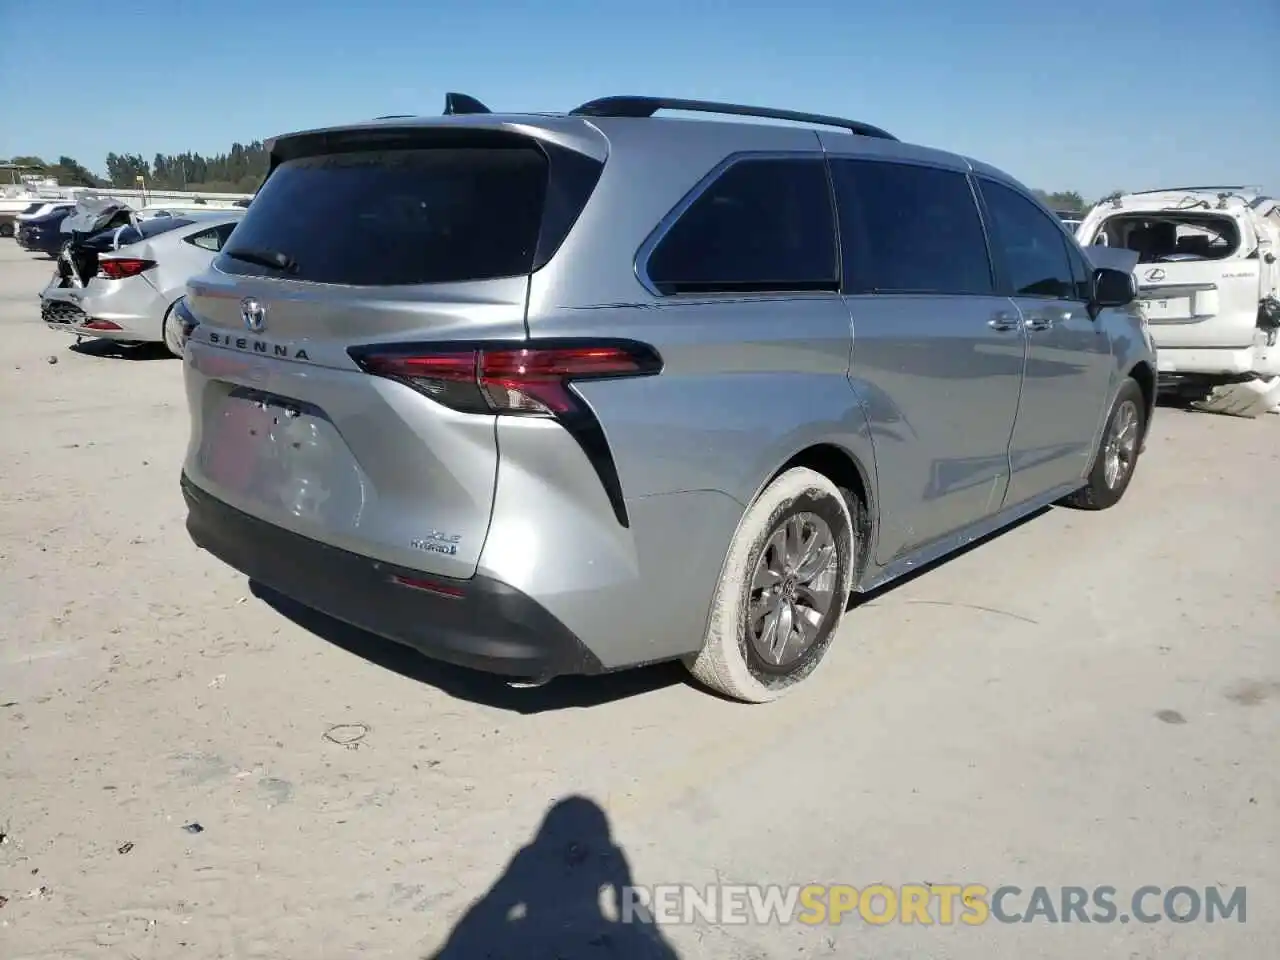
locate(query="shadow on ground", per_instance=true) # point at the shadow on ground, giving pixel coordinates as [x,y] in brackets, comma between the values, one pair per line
[547,903]
[110,350]
[560,694]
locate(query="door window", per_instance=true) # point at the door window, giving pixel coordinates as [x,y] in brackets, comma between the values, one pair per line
[764,225]
[907,229]
[1032,246]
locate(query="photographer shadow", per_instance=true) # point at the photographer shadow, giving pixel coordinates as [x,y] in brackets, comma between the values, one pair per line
[547,903]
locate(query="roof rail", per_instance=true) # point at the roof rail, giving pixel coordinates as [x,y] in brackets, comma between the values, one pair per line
[1206,189]
[395,116]
[632,106]
[456,103]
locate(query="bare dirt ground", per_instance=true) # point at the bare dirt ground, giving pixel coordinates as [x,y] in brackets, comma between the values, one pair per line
[1085,700]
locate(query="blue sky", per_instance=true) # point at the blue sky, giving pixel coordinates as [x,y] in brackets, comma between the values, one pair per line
[1063,95]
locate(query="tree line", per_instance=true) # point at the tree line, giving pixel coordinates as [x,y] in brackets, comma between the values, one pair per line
[241,169]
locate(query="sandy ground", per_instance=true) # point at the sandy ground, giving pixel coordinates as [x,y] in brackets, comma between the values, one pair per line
[1085,700]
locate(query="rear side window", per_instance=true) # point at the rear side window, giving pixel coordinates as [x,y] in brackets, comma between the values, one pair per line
[909,229]
[213,238]
[1031,245]
[763,225]
[401,216]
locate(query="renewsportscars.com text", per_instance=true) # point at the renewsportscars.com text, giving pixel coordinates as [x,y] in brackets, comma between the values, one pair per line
[971,904]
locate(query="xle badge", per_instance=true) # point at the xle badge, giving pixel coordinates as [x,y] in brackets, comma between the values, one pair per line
[445,544]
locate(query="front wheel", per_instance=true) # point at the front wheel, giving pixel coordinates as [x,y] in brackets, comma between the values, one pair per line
[6,230]
[173,334]
[782,591]
[1117,454]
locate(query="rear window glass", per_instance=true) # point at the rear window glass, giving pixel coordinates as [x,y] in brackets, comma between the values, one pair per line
[391,217]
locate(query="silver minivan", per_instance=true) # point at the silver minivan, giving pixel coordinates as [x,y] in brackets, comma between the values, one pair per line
[568,393]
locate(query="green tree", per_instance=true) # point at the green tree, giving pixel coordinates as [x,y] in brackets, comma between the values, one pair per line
[69,173]
[239,170]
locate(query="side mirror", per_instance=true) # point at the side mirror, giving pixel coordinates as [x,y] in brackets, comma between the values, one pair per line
[1111,288]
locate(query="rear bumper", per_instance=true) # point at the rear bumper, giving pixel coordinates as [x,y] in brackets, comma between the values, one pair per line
[491,626]
[133,305]
[1258,359]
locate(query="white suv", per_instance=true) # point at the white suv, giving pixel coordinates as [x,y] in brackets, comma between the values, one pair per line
[1209,283]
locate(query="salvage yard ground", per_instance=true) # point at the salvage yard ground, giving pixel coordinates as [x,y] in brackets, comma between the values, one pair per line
[1088,699]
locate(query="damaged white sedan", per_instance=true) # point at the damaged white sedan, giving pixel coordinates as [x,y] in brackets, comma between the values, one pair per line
[1209,284]
[122,284]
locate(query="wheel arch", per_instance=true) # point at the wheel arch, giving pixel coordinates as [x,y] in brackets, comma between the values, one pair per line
[1145,376]
[850,474]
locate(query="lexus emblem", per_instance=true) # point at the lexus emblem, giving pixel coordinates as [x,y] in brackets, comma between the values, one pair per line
[254,315]
[1156,275]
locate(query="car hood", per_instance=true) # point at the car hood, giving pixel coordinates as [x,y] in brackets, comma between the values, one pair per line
[90,214]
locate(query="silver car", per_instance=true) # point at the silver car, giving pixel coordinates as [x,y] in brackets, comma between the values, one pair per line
[549,394]
[121,284]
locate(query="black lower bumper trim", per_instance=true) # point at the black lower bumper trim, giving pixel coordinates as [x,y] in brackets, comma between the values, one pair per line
[491,627]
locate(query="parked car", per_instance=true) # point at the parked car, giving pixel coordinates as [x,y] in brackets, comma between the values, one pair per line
[1210,285]
[43,234]
[41,207]
[553,394]
[121,283]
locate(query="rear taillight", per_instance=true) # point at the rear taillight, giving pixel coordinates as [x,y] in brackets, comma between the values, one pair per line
[118,268]
[509,379]
[530,378]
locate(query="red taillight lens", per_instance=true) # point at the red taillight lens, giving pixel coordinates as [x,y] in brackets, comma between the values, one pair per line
[509,379]
[121,267]
[430,586]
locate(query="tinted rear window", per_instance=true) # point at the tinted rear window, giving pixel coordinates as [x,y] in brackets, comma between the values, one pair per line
[384,218]
[910,229]
[764,225]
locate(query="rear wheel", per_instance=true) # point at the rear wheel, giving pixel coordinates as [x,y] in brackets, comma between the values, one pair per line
[782,591]
[6,230]
[1117,454]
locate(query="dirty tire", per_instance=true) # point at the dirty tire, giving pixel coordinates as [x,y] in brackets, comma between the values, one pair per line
[172,337]
[1098,494]
[729,661]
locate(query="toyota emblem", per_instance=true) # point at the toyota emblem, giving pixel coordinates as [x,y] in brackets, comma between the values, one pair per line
[254,315]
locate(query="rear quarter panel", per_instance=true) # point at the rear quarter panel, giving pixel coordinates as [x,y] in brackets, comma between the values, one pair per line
[747,383]
[177,260]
